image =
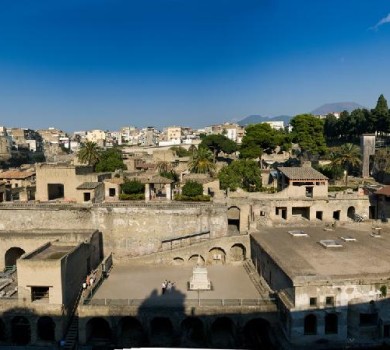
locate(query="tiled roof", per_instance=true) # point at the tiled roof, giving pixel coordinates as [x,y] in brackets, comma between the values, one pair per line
[115,180]
[385,191]
[88,185]
[157,179]
[302,173]
[16,174]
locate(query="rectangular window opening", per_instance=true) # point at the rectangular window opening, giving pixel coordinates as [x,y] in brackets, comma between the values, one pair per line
[329,301]
[40,294]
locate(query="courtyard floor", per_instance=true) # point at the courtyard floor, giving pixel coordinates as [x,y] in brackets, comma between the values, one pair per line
[144,282]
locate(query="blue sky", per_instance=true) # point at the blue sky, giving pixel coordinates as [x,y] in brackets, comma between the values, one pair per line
[83,64]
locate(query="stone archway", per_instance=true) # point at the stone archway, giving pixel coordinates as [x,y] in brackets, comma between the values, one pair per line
[98,331]
[161,332]
[351,212]
[223,333]
[256,334]
[233,216]
[216,256]
[131,333]
[11,255]
[310,325]
[331,323]
[237,252]
[20,330]
[192,333]
[46,328]
[178,261]
[196,259]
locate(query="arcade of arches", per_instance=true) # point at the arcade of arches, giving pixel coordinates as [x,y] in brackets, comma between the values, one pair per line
[19,330]
[191,332]
[215,256]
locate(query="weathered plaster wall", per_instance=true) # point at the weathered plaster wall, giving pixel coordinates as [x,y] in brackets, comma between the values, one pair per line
[127,231]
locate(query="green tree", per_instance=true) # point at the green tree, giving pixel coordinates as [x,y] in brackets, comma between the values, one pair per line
[347,156]
[261,138]
[331,130]
[192,189]
[110,160]
[132,187]
[242,173]
[163,166]
[171,174]
[308,131]
[89,153]
[217,143]
[202,162]
[381,113]
[381,163]
[180,151]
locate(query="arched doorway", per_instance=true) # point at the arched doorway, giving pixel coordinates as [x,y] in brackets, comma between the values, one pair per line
[196,259]
[237,252]
[178,261]
[233,216]
[161,332]
[256,334]
[216,256]
[223,333]
[20,330]
[98,331]
[310,325]
[331,324]
[131,333]
[351,212]
[192,331]
[46,328]
[11,255]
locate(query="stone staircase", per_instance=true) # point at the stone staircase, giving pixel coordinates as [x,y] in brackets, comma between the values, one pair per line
[72,335]
[257,280]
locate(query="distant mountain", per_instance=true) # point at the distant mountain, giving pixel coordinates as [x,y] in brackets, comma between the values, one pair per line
[336,108]
[255,119]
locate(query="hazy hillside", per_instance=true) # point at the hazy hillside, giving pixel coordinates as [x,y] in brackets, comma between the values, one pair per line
[254,119]
[336,107]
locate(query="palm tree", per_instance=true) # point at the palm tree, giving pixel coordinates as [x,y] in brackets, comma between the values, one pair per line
[348,156]
[89,153]
[202,162]
[163,166]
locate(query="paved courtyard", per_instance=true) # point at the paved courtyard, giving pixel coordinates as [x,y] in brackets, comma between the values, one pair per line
[141,282]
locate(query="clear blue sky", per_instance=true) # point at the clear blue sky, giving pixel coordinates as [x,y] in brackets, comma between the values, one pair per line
[83,64]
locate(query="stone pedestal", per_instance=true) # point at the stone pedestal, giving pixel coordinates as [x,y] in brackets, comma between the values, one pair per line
[199,280]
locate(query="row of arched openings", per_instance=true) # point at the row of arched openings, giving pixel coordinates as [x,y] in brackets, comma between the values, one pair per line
[331,324]
[222,333]
[215,255]
[20,330]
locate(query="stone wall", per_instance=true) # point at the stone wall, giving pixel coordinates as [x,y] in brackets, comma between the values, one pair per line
[128,230]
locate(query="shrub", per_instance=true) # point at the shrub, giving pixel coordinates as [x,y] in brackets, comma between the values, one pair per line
[133,187]
[132,197]
[198,198]
[192,189]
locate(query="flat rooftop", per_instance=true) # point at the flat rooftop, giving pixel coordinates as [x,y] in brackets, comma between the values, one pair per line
[304,259]
[144,282]
[52,252]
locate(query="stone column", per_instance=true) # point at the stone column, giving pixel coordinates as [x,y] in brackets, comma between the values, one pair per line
[367,146]
[147,192]
[168,191]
